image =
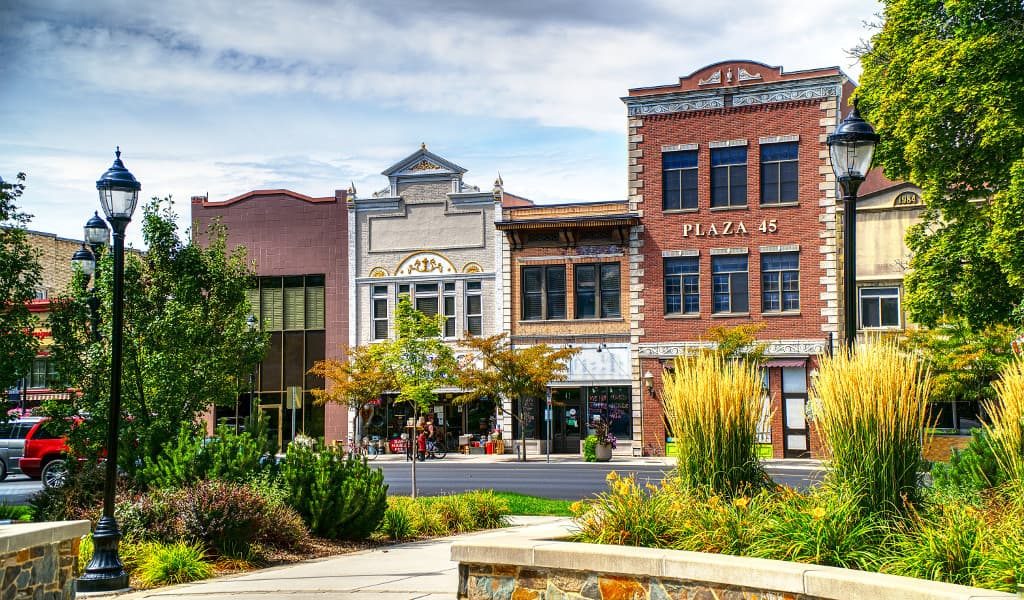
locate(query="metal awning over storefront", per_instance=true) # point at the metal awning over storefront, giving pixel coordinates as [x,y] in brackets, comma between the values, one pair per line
[778,363]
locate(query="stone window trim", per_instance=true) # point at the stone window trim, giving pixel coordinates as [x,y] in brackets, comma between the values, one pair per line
[728,143]
[728,251]
[679,147]
[782,248]
[679,253]
[778,139]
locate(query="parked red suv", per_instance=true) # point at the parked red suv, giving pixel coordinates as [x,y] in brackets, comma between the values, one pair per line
[45,455]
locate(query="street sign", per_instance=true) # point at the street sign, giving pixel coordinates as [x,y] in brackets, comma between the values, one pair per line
[547,414]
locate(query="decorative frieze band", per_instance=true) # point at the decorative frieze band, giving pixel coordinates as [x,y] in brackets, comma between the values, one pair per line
[775,348]
[807,93]
[674,106]
[639,106]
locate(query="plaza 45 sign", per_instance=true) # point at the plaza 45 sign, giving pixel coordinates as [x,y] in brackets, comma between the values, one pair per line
[727,228]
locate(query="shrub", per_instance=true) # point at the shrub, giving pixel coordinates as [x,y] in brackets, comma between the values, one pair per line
[227,517]
[397,522]
[870,410]
[78,498]
[969,471]
[191,458]
[489,511]
[15,512]
[945,545]
[627,514]
[1005,427]
[590,448]
[173,563]
[827,527]
[338,496]
[150,517]
[453,512]
[713,405]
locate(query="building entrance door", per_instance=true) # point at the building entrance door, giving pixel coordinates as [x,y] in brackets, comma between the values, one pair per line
[796,441]
[569,420]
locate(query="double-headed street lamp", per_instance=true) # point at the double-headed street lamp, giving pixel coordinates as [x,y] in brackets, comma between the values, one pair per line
[119,193]
[97,235]
[851,147]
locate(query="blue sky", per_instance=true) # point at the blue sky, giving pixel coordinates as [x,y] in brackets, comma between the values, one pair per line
[218,97]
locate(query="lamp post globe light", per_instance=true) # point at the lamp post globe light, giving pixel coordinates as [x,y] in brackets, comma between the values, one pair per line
[119,193]
[851,147]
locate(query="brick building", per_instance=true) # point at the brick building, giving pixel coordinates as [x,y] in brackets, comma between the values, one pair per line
[564,267]
[297,244]
[730,173]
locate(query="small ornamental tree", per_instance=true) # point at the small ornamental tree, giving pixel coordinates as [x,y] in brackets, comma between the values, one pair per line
[356,382]
[495,369]
[19,277]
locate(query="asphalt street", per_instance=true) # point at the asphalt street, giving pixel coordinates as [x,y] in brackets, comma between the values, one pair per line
[563,480]
[567,481]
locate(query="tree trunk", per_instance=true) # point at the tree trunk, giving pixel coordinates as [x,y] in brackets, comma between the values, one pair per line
[412,445]
[522,429]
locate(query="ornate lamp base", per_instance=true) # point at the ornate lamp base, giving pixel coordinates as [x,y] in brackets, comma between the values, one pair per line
[105,572]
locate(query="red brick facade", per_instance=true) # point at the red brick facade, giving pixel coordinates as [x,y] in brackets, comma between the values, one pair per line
[734,104]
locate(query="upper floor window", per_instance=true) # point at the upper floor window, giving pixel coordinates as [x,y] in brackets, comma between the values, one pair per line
[780,281]
[288,303]
[449,309]
[543,294]
[474,308]
[379,311]
[682,289]
[779,173]
[679,185]
[729,284]
[597,291]
[729,176]
[879,307]
[43,375]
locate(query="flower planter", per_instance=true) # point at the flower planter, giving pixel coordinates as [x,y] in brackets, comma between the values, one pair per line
[604,452]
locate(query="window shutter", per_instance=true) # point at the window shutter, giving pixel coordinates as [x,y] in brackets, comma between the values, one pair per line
[271,308]
[315,307]
[294,308]
[253,296]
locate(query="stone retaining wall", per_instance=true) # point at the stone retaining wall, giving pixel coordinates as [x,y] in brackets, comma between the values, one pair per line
[538,567]
[39,560]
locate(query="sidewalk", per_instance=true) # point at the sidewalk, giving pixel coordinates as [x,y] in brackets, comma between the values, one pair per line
[624,460]
[400,572]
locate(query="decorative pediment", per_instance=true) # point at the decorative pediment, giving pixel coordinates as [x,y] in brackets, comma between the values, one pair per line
[426,264]
[423,162]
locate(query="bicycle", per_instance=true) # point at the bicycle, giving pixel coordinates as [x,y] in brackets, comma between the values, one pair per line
[365,449]
[436,449]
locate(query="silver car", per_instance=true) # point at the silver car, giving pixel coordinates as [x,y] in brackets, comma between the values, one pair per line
[12,444]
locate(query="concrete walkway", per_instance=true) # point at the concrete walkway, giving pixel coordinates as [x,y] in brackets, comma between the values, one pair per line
[400,572]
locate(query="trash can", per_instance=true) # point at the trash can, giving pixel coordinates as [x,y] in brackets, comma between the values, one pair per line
[489,447]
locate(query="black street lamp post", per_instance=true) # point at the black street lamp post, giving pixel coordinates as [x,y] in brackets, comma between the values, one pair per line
[851,147]
[119,193]
[85,260]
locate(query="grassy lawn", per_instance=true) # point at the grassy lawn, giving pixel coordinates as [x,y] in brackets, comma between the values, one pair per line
[521,504]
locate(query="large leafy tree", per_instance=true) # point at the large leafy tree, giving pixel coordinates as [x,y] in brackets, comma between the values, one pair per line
[19,276]
[496,369]
[187,346]
[942,84]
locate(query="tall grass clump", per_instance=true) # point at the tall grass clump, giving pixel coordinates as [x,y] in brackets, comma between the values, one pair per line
[1005,426]
[713,405]
[870,408]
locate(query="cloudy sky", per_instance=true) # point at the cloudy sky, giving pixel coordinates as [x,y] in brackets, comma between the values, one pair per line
[222,97]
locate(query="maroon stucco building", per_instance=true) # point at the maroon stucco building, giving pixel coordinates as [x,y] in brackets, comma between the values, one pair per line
[299,247]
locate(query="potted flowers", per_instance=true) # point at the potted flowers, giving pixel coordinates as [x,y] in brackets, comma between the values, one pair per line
[602,441]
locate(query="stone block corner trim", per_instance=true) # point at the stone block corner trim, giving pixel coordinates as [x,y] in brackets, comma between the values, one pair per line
[39,560]
[543,565]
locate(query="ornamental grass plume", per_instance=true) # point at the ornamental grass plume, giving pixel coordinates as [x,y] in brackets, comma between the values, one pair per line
[870,408]
[713,405]
[1005,426]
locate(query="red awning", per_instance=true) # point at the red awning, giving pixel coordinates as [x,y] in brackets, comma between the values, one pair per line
[786,362]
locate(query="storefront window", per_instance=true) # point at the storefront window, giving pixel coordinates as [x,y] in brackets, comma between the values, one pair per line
[612,404]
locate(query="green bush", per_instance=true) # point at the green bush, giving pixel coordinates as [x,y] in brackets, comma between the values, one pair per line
[79,498]
[173,563]
[488,510]
[190,458]
[590,448]
[969,471]
[338,496]
[453,512]
[397,523]
[627,514]
[946,545]
[15,512]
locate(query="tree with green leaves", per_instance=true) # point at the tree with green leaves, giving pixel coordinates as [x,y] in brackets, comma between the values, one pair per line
[496,369]
[187,346]
[941,84]
[19,277]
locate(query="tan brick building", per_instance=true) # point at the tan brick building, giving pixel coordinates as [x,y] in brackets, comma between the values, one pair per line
[730,173]
[564,268]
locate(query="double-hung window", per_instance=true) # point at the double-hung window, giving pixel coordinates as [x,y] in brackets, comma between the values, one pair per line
[379,309]
[729,284]
[682,286]
[597,291]
[449,309]
[474,308]
[779,173]
[780,281]
[729,176]
[426,298]
[879,307]
[543,294]
[679,184]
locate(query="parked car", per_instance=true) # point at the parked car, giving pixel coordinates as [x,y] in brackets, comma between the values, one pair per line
[12,444]
[45,455]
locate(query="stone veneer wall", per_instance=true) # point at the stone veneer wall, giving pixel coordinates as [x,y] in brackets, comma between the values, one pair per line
[523,567]
[40,560]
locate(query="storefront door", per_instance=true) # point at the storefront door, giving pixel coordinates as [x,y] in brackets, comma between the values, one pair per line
[796,441]
[569,420]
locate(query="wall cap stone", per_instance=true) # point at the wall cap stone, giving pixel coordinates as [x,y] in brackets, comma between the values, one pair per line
[19,536]
[545,548]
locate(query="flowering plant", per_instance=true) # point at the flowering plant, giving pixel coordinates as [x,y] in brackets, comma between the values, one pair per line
[604,436]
